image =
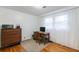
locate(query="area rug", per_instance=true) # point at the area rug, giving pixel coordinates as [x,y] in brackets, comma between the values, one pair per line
[31,46]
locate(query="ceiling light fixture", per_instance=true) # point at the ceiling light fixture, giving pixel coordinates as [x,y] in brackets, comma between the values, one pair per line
[40,7]
[44,6]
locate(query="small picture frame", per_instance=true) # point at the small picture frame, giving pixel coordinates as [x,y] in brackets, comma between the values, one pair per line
[17,26]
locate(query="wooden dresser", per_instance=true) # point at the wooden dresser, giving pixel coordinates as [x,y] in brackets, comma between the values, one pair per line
[10,37]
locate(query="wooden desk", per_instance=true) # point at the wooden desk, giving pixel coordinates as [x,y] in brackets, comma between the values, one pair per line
[39,36]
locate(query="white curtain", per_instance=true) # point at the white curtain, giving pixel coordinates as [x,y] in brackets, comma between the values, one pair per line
[49,24]
[61,29]
[58,28]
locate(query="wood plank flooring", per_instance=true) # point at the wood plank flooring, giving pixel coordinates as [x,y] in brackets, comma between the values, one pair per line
[16,48]
[52,47]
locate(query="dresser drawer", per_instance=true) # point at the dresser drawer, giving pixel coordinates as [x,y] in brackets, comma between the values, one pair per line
[11,36]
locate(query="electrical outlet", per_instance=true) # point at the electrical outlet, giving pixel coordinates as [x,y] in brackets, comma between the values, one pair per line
[24,37]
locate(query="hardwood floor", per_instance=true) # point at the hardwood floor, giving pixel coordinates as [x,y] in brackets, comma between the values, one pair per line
[51,47]
[16,48]
[54,47]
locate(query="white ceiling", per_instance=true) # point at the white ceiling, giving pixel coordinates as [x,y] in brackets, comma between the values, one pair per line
[35,11]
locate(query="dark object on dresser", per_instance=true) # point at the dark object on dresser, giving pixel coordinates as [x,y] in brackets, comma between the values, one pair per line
[10,37]
[6,26]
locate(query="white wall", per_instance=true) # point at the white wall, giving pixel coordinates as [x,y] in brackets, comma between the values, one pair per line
[28,23]
[69,38]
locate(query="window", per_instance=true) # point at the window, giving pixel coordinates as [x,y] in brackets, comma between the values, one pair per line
[61,22]
[48,23]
